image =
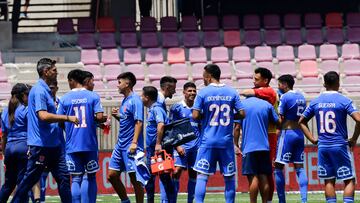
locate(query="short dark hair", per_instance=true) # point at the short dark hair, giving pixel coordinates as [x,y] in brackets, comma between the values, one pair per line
[213,70]
[189,84]
[86,75]
[167,79]
[331,78]
[288,79]
[43,64]
[76,75]
[151,92]
[128,75]
[264,72]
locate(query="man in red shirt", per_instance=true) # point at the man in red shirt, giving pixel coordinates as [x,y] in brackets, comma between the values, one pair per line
[262,90]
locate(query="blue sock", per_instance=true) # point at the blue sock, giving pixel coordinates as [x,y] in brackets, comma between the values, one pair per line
[331,200]
[280,185]
[89,188]
[229,189]
[44,176]
[163,197]
[200,188]
[303,183]
[176,186]
[191,189]
[348,199]
[75,188]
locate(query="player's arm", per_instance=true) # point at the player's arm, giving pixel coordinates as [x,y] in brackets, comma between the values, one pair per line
[303,123]
[248,93]
[100,117]
[137,130]
[196,114]
[160,132]
[54,118]
[237,129]
[354,138]
[115,113]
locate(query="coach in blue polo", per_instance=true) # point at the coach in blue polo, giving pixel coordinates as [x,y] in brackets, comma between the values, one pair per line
[45,149]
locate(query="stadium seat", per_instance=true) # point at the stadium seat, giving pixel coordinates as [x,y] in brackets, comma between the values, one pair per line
[226,70]
[232,38]
[154,55]
[251,22]
[268,65]
[197,70]
[241,54]
[89,56]
[285,53]
[219,54]
[210,23]
[128,40]
[111,71]
[138,70]
[308,68]
[170,39]
[311,85]
[148,24]
[95,70]
[1,62]
[350,51]
[335,36]
[132,56]
[244,70]
[314,36]
[189,23]
[286,67]
[127,24]
[156,71]
[307,52]
[211,39]
[110,56]
[148,32]
[197,55]
[333,20]
[3,75]
[189,30]
[245,83]
[210,28]
[105,24]
[127,30]
[263,53]
[99,88]
[227,82]
[5,89]
[329,65]
[328,52]
[230,22]
[348,84]
[292,21]
[293,37]
[169,34]
[176,55]
[252,38]
[312,20]
[353,19]
[65,26]
[351,67]
[86,41]
[139,85]
[353,34]
[107,40]
[272,37]
[85,25]
[168,24]
[271,21]
[179,71]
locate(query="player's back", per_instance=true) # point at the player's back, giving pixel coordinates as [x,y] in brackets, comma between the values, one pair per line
[331,109]
[84,104]
[292,105]
[217,103]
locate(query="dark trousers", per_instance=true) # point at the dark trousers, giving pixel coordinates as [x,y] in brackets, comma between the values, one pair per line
[145,7]
[15,162]
[52,158]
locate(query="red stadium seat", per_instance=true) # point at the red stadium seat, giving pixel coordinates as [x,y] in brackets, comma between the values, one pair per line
[176,55]
[308,68]
[106,24]
[334,20]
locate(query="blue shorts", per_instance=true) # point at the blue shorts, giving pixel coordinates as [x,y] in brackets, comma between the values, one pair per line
[120,162]
[81,162]
[335,162]
[188,160]
[290,147]
[256,163]
[207,158]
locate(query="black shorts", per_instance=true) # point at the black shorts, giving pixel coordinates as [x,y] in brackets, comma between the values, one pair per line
[256,163]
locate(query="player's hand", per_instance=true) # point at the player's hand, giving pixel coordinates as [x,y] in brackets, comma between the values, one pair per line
[74,120]
[237,150]
[180,150]
[158,148]
[114,112]
[315,142]
[352,143]
[132,148]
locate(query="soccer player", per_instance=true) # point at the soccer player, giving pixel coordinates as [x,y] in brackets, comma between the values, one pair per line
[334,158]
[156,120]
[262,90]
[256,163]
[45,149]
[130,139]
[81,140]
[214,106]
[167,89]
[290,147]
[14,129]
[185,155]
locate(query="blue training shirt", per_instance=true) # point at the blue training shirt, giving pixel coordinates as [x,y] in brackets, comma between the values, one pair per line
[255,125]
[217,102]
[84,104]
[131,110]
[331,109]
[41,133]
[292,105]
[179,111]
[161,100]
[18,131]
[156,114]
